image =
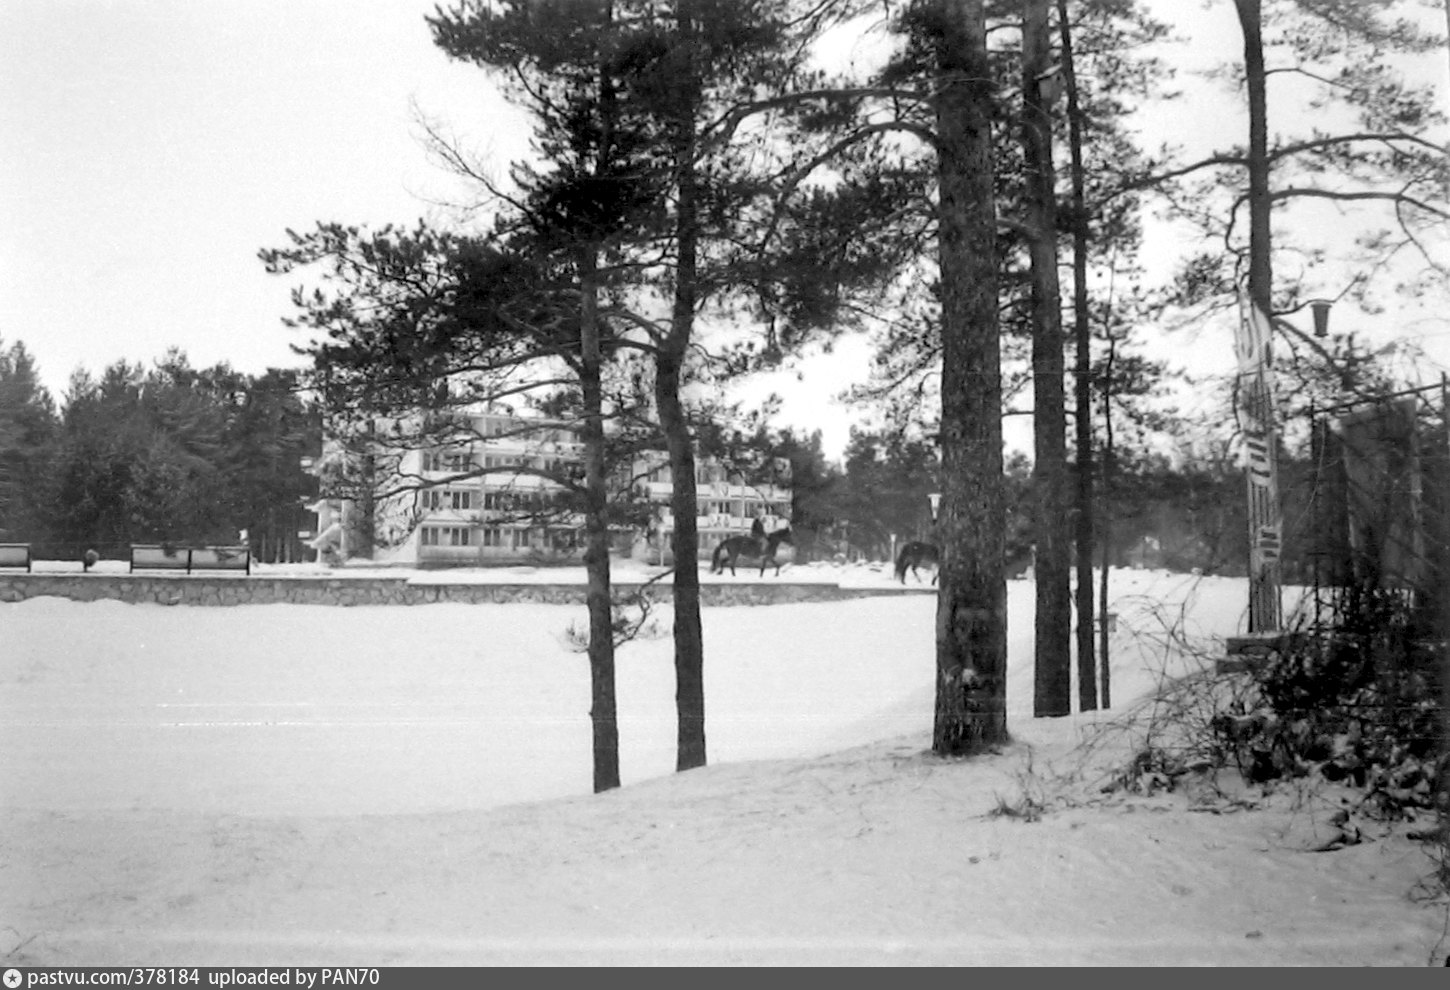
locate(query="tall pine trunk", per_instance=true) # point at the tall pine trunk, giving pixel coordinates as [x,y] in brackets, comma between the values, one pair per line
[1109,453]
[1084,516]
[1051,519]
[669,372]
[971,622]
[688,633]
[603,713]
[599,592]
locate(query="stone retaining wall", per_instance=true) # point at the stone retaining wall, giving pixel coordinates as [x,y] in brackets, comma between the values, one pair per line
[322,590]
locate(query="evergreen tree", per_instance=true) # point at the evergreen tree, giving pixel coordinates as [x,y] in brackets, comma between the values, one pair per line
[684,81]
[971,689]
[271,429]
[814,490]
[170,455]
[28,426]
[419,328]
[886,488]
[1041,78]
[893,112]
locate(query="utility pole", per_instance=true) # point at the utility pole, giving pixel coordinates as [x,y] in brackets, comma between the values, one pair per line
[1254,347]
[1254,344]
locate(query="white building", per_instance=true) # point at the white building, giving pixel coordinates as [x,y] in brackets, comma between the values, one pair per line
[487,497]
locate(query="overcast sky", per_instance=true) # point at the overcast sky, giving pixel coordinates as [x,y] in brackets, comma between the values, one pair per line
[151,147]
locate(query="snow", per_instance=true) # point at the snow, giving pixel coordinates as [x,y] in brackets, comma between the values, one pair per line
[303,785]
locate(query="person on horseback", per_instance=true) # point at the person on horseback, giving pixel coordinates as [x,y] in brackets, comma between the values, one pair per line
[757,544]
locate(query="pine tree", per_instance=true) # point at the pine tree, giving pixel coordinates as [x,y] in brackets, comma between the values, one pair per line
[28,426]
[1052,520]
[421,327]
[971,713]
[687,76]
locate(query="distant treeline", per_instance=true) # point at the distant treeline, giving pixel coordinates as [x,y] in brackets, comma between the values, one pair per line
[1181,513]
[176,454]
[169,454]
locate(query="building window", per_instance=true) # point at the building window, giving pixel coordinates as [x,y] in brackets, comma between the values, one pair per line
[525,501]
[447,460]
[493,536]
[447,536]
[435,500]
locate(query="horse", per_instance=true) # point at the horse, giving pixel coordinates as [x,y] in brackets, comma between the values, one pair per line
[915,554]
[750,547]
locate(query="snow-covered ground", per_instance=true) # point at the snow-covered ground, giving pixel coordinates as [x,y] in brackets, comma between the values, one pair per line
[298,785]
[623,570]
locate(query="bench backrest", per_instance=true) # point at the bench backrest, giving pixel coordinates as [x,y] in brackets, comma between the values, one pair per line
[177,558]
[213,558]
[15,555]
[222,558]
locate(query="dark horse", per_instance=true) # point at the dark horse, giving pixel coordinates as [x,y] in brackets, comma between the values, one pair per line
[914,555]
[757,544]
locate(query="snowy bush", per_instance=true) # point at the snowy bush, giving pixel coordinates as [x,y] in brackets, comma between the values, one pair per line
[1354,701]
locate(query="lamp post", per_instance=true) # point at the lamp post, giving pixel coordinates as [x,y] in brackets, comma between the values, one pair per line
[935,499]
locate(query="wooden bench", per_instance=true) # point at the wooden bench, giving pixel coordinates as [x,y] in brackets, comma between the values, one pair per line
[218,558]
[15,555]
[152,557]
[210,558]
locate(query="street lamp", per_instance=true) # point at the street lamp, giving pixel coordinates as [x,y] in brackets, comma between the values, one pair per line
[935,499]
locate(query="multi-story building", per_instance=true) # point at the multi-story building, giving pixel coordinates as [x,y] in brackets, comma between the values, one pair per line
[489,495]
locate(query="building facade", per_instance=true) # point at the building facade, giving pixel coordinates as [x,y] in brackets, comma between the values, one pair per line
[491,494]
